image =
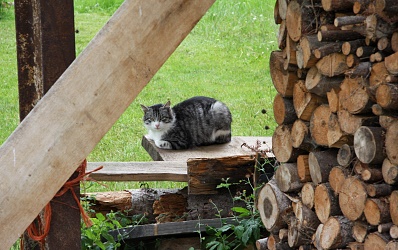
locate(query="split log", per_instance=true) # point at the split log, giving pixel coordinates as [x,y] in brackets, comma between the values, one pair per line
[305,48]
[387,96]
[302,226]
[282,145]
[333,100]
[389,172]
[283,234]
[369,144]
[316,238]
[319,125]
[282,79]
[355,245]
[391,146]
[272,205]
[378,110]
[296,234]
[377,211]
[282,35]
[377,28]
[300,19]
[392,64]
[332,65]
[386,121]
[303,169]
[284,112]
[391,245]
[362,69]
[378,74]
[305,102]
[308,194]
[393,231]
[379,190]
[336,233]
[354,97]
[326,202]
[349,47]
[301,136]
[261,244]
[360,230]
[287,178]
[394,207]
[352,198]
[289,53]
[336,5]
[376,241]
[319,84]
[352,60]
[335,136]
[337,177]
[345,155]
[321,163]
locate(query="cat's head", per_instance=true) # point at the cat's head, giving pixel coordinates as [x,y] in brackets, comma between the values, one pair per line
[159,117]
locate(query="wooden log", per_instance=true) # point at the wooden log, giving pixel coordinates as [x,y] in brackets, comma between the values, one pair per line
[283,234]
[365,51]
[393,231]
[282,145]
[391,245]
[296,236]
[369,144]
[360,230]
[384,44]
[355,245]
[305,102]
[394,207]
[386,5]
[378,74]
[336,5]
[352,60]
[345,155]
[378,56]
[378,110]
[332,65]
[303,227]
[362,69]
[349,47]
[378,190]
[394,41]
[301,136]
[392,64]
[372,174]
[348,20]
[284,112]
[377,28]
[390,172]
[327,49]
[319,125]
[391,146]
[326,202]
[321,163]
[337,177]
[376,241]
[261,244]
[377,211]
[282,35]
[333,100]
[304,54]
[336,233]
[303,169]
[282,8]
[352,198]
[289,53]
[391,78]
[316,238]
[354,97]
[272,205]
[385,121]
[287,178]
[319,84]
[350,123]
[107,93]
[387,96]
[283,80]
[338,35]
[308,194]
[235,168]
[360,6]
[299,19]
[385,227]
[336,137]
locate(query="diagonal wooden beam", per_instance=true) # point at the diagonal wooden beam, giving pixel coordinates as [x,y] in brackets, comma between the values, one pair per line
[85,102]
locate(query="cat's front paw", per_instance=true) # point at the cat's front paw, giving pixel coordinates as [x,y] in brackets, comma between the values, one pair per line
[163,144]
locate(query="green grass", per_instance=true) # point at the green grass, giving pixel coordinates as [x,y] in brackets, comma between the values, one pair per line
[225,57]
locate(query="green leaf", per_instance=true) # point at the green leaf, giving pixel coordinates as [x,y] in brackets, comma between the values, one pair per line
[100,217]
[242,211]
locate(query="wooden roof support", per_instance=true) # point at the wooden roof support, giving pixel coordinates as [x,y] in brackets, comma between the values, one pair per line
[64,127]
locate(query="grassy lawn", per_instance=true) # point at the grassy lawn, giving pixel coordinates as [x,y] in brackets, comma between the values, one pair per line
[225,57]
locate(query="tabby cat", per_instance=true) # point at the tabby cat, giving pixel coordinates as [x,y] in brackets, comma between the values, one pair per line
[197,121]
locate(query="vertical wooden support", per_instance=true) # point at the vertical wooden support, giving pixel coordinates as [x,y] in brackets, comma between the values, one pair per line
[46,47]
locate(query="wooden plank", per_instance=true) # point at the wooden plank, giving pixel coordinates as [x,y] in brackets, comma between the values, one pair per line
[139,171]
[169,228]
[85,102]
[234,148]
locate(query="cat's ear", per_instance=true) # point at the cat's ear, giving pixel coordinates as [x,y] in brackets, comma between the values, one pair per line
[144,108]
[167,105]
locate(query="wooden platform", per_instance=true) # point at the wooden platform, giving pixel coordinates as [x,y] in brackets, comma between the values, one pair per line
[233,148]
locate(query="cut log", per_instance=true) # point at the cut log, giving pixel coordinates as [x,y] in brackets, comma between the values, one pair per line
[376,241]
[337,177]
[362,69]
[287,178]
[391,146]
[300,19]
[284,112]
[384,43]
[369,144]
[305,102]
[336,233]
[391,245]
[336,137]
[303,169]
[355,245]
[379,190]
[327,49]
[272,205]
[336,5]
[282,35]
[394,207]
[261,244]
[386,5]
[301,136]
[372,174]
[349,47]
[326,202]
[333,100]
[321,163]
[305,48]
[390,172]
[360,230]
[365,51]
[350,123]
[354,97]
[387,96]
[302,226]
[348,20]
[283,234]
[338,35]
[385,227]
[308,194]
[352,60]
[332,65]
[394,41]
[377,211]
[352,198]
[319,125]
[289,53]
[378,74]
[392,64]
[393,231]
[386,121]
[345,155]
[316,238]
[378,110]
[360,6]
[282,79]
[282,8]
[282,145]
[377,28]
[319,84]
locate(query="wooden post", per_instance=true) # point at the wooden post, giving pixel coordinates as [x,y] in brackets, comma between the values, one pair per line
[46,47]
[114,68]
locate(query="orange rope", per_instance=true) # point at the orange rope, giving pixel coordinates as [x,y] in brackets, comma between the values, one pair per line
[37,230]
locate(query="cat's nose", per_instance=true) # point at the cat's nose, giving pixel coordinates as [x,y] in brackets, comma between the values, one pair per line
[157,125]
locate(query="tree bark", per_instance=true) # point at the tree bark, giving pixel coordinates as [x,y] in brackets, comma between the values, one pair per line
[332,65]
[352,198]
[338,35]
[378,190]
[394,207]
[282,79]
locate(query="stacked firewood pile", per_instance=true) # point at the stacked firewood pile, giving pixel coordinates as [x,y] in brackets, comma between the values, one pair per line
[336,75]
